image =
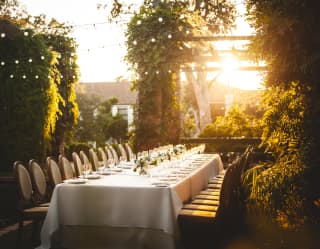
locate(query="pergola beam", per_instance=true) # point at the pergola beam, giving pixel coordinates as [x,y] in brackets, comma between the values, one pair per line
[218,69]
[221,38]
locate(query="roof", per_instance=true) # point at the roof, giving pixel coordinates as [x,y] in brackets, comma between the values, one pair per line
[106,90]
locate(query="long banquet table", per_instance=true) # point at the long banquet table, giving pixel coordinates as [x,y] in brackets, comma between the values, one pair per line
[126,209]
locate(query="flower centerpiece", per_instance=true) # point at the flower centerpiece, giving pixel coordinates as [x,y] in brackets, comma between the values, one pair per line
[179,149]
[141,163]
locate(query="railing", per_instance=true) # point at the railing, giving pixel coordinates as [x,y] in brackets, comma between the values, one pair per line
[227,140]
[228,147]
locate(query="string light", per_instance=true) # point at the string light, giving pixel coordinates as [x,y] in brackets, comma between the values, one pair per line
[25,33]
[153,40]
[42,57]
[134,42]
[24,76]
[16,61]
[160,19]
[3,35]
[138,22]
[30,60]
[2,63]
[11,76]
[169,36]
[36,76]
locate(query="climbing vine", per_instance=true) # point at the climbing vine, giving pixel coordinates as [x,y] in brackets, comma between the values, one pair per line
[156,45]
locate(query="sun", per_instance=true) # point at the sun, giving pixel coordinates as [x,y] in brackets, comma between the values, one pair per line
[229,64]
[232,75]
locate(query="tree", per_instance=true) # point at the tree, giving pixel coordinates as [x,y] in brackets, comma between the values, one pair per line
[57,37]
[11,9]
[292,53]
[86,129]
[156,50]
[28,95]
[112,126]
[96,122]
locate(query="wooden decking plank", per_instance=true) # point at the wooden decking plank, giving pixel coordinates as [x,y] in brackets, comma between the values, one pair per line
[200,207]
[206,202]
[199,213]
[206,192]
[207,197]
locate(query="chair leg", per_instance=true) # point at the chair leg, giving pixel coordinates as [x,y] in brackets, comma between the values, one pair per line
[34,232]
[20,233]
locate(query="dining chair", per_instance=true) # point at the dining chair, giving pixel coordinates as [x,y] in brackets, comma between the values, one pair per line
[103,156]
[131,155]
[109,153]
[85,160]
[93,157]
[27,210]
[114,154]
[77,163]
[123,152]
[39,183]
[66,168]
[54,173]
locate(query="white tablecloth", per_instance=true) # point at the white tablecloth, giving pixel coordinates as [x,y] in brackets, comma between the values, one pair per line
[125,201]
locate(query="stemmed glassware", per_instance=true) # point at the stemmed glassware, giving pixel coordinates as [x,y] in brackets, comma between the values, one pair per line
[122,159]
[101,168]
[86,169]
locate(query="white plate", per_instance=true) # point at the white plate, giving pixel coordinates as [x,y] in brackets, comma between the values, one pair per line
[76,181]
[115,170]
[91,176]
[160,184]
[106,172]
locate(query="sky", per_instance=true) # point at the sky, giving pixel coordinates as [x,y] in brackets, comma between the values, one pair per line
[101,44]
[102,48]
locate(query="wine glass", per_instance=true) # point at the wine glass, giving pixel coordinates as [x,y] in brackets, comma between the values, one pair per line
[122,159]
[101,168]
[86,169]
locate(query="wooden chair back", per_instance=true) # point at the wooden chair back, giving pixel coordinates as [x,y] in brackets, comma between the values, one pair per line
[38,180]
[109,154]
[77,163]
[131,155]
[23,181]
[123,152]
[54,173]
[66,168]
[103,156]
[93,157]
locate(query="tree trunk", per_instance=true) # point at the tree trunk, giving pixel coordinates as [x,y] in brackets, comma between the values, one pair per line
[201,92]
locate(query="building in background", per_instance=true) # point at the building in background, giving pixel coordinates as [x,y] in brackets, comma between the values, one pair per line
[106,90]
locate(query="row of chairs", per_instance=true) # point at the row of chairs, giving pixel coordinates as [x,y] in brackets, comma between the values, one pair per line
[32,185]
[215,210]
